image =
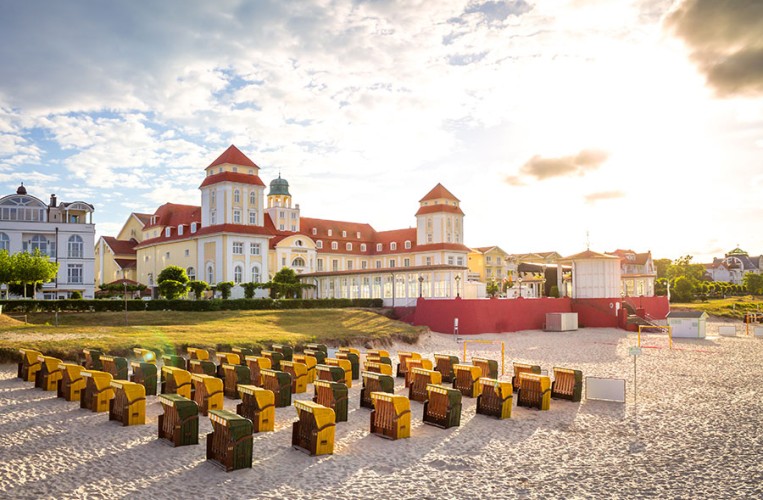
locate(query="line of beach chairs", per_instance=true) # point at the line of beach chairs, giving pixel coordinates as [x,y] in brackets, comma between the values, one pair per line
[265,381]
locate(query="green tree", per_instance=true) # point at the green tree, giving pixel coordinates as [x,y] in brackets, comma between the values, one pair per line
[682,290]
[175,273]
[173,282]
[225,287]
[249,289]
[198,288]
[683,267]
[6,270]
[491,288]
[32,269]
[286,284]
[661,267]
[76,295]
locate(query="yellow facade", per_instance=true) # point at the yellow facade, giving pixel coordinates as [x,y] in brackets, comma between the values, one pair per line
[488,264]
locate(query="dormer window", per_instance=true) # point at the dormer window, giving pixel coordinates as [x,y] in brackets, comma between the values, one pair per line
[180,230]
[362,247]
[251,171]
[407,245]
[344,234]
[235,169]
[167,232]
[330,232]
[379,247]
[349,247]
[393,246]
[315,231]
[334,245]
[319,244]
[357,235]
[193,227]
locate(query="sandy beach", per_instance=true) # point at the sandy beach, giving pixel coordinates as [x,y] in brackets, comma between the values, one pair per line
[696,431]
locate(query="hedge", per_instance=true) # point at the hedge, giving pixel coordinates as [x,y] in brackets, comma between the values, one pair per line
[100,305]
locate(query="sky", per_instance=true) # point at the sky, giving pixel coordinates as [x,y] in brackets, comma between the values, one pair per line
[558,124]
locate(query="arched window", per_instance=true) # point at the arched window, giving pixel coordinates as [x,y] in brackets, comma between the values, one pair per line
[236,196]
[298,243]
[253,198]
[5,242]
[210,274]
[38,242]
[407,244]
[256,274]
[238,275]
[191,272]
[393,246]
[75,247]
[319,244]
[298,262]
[334,245]
[349,247]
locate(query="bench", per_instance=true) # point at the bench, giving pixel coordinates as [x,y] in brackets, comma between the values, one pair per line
[320,356]
[30,364]
[420,378]
[92,359]
[202,367]
[354,360]
[208,392]
[345,365]
[298,374]
[534,391]
[378,367]
[467,379]
[117,366]
[391,416]
[129,403]
[496,398]
[145,355]
[49,374]
[176,381]
[234,375]
[309,362]
[567,384]
[522,368]
[242,353]
[179,424]
[72,383]
[489,367]
[258,405]
[375,382]
[280,383]
[313,432]
[318,347]
[144,374]
[274,357]
[403,358]
[415,363]
[332,395]
[223,358]
[229,445]
[443,363]
[284,350]
[331,373]
[442,407]
[97,392]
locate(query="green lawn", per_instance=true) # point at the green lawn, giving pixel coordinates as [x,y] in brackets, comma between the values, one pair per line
[732,307]
[172,331]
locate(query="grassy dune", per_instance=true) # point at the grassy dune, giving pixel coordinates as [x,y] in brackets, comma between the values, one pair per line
[172,331]
[732,307]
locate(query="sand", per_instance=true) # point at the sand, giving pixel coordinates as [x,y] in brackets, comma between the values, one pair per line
[695,432]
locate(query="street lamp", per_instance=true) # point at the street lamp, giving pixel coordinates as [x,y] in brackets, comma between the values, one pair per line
[458,286]
[125,296]
[421,285]
[519,280]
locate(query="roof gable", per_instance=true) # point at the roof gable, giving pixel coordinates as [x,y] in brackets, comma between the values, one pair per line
[233,156]
[438,192]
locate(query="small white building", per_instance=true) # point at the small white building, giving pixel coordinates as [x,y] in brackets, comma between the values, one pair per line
[688,324]
[594,275]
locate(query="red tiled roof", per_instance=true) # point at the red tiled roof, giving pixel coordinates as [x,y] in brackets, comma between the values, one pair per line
[126,247]
[384,270]
[171,214]
[589,254]
[639,259]
[430,209]
[126,263]
[441,246]
[234,156]
[438,192]
[216,229]
[143,218]
[239,177]
[306,225]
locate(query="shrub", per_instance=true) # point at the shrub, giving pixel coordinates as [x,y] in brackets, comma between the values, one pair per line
[76,295]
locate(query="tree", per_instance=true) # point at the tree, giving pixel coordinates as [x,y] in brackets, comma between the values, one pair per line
[753,283]
[175,273]
[26,269]
[173,282]
[225,287]
[683,267]
[491,288]
[198,287]
[6,270]
[76,295]
[661,267]
[286,284]
[249,289]
[683,290]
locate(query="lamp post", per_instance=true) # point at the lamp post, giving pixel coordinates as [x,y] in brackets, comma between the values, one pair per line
[125,296]
[458,286]
[519,280]
[421,285]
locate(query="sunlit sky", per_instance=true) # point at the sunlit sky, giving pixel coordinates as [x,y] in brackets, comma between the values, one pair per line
[557,123]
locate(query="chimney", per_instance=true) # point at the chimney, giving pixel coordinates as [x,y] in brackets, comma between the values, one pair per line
[53,201]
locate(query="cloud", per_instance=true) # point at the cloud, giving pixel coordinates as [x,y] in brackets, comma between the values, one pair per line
[725,40]
[603,195]
[542,168]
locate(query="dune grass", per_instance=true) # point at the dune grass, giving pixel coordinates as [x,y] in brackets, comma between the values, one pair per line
[172,331]
[731,307]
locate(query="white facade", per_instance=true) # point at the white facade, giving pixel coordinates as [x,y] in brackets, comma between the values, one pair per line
[687,325]
[595,276]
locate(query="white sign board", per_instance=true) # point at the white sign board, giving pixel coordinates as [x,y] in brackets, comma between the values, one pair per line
[727,331]
[605,389]
[758,331]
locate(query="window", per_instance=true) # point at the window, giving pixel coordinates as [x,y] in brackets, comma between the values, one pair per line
[335,265]
[237,216]
[294,215]
[429,261]
[407,244]
[379,247]
[251,171]
[256,274]
[429,238]
[315,231]
[38,242]
[363,247]
[320,264]
[166,255]
[235,169]
[294,228]
[407,262]
[253,198]
[393,246]
[236,196]
[212,198]
[150,279]
[392,263]
[281,227]
[378,264]
[363,264]
[5,242]
[282,214]
[193,227]
[298,262]
[488,259]
[75,247]
[191,272]
[252,217]
[460,261]
[298,243]
[187,252]
[344,234]
[334,245]
[74,273]
[210,274]
[212,217]
[319,244]
[330,232]
[238,275]
[349,247]
[357,235]
[450,260]
[167,232]
[238,247]
[254,248]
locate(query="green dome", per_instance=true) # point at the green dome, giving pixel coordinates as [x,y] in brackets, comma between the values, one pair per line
[279,187]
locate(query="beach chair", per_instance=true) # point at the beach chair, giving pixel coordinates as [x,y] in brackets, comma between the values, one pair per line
[298,374]
[286,351]
[30,364]
[176,381]
[489,367]
[92,359]
[72,383]
[174,361]
[520,368]
[129,403]
[318,347]
[207,392]
[275,359]
[320,356]
[145,355]
[258,405]
[416,363]
[230,358]
[345,365]
[354,360]
[534,391]
[313,432]
[403,358]
[179,424]
[115,365]
[442,407]
[145,374]
[375,382]
[382,353]
[97,392]
[373,358]
[332,395]
[443,363]
[280,383]
[229,445]
[49,374]
[420,379]
[567,384]
[256,364]
[196,353]
[242,353]
[202,367]
[496,398]
[331,373]
[378,367]
[467,379]
[309,362]
[234,375]
[391,416]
